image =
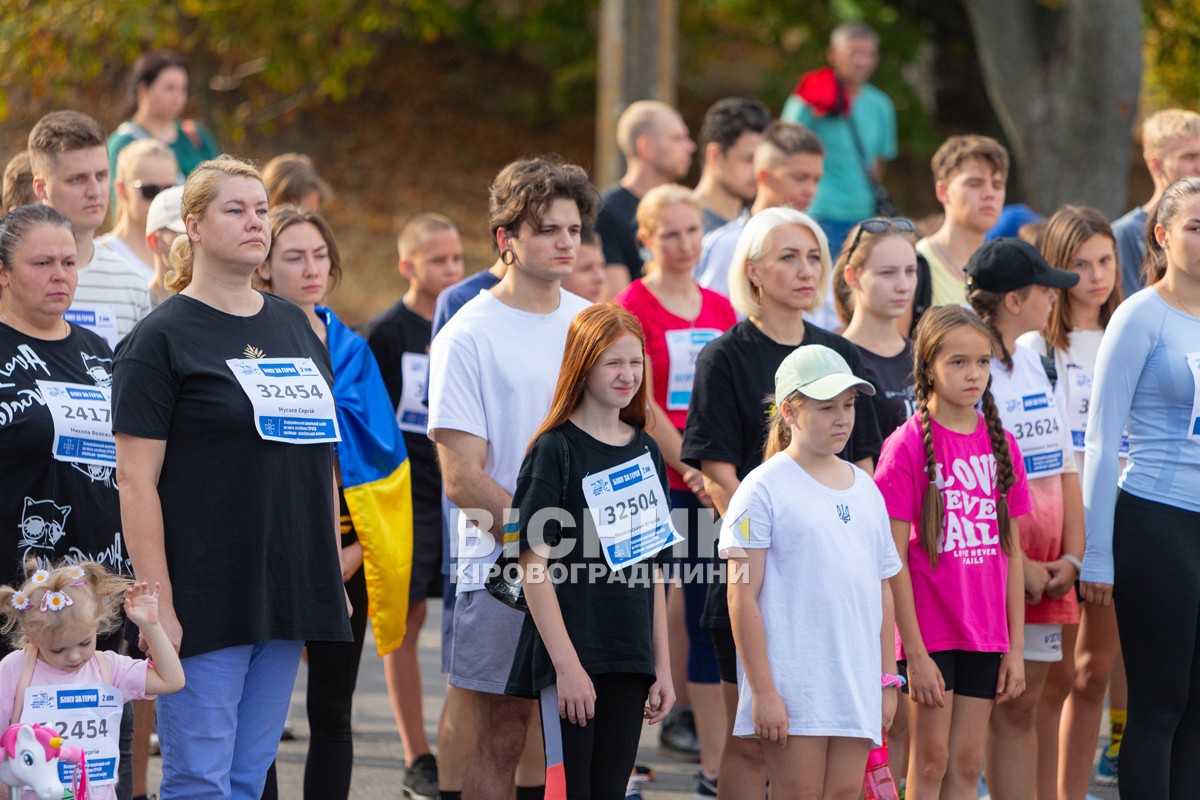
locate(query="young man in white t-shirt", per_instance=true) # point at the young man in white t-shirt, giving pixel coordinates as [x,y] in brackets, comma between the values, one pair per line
[493,368]
[71,174]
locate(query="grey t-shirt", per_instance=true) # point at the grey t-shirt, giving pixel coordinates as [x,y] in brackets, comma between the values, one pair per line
[1130,231]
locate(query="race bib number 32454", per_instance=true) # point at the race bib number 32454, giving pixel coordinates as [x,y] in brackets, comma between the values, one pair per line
[292,400]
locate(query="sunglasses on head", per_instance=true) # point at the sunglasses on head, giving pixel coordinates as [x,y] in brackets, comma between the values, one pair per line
[150,190]
[881,225]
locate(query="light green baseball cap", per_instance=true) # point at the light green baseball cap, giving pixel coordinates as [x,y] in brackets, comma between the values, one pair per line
[818,372]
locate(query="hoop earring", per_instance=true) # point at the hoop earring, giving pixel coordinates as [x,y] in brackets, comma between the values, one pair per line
[756,293]
[507,256]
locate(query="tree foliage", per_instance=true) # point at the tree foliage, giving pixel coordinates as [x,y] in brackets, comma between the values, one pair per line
[1172,52]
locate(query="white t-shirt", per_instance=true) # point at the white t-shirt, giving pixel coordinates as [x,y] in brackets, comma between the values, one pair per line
[118,246]
[492,371]
[1029,409]
[828,552]
[1076,368]
[111,296]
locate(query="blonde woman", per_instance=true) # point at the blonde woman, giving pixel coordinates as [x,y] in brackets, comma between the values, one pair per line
[227,489]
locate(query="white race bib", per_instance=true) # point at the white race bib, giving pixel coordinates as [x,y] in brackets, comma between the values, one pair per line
[87,715]
[630,510]
[683,348]
[101,320]
[1079,399]
[82,417]
[1079,404]
[1193,360]
[1036,425]
[292,402]
[413,414]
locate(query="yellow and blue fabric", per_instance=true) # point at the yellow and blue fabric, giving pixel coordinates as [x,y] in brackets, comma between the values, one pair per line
[376,479]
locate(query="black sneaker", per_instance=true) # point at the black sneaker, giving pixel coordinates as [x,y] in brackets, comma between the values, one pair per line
[421,778]
[678,736]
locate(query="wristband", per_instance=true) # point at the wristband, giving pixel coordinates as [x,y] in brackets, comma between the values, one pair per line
[1073,561]
[888,680]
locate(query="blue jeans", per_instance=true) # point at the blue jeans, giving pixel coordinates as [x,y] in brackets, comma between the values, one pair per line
[836,231]
[220,734]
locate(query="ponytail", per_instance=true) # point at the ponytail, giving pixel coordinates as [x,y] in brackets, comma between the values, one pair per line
[182,257]
[779,433]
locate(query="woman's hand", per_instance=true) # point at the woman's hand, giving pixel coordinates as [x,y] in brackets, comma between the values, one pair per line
[659,700]
[1011,682]
[1099,594]
[576,696]
[770,717]
[352,559]
[1036,578]
[695,481]
[925,682]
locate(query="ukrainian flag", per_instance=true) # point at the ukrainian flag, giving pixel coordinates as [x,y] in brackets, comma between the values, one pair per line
[376,479]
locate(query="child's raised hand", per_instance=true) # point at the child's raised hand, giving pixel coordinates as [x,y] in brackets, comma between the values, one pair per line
[141,604]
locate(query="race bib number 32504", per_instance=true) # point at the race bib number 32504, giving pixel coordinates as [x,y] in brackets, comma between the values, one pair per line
[292,401]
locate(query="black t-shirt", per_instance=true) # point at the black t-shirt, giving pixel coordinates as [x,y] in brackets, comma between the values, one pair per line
[392,334]
[895,398]
[609,618]
[617,225]
[52,509]
[246,522]
[735,373]
[728,416]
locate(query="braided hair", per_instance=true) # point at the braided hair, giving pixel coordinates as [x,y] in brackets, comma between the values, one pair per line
[935,325]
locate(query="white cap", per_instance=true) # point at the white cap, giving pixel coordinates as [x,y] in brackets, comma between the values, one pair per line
[166,211]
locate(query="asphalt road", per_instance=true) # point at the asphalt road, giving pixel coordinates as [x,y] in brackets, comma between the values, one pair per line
[378,758]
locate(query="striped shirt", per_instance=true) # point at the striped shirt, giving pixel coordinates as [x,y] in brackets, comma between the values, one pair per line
[111,296]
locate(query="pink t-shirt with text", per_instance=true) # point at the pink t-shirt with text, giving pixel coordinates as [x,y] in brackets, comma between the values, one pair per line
[961,604]
[715,313]
[128,675]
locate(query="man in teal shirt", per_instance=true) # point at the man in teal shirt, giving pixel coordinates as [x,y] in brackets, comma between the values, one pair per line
[836,103]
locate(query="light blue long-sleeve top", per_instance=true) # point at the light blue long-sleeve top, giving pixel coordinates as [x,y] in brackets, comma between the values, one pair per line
[1143,382]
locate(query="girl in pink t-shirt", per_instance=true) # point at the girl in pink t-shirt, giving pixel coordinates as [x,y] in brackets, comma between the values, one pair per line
[54,619]
[960,598]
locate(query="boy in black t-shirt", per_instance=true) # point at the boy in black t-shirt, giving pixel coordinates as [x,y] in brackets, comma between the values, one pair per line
[431,258]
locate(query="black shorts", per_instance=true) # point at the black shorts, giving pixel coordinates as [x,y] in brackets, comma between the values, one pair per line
[722,639]
[966,673]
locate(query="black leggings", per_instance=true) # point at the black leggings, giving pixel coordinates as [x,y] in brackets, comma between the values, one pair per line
[1156,553]
[332,675]
[598,757]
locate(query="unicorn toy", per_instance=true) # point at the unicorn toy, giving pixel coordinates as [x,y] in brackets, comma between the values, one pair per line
[29,756]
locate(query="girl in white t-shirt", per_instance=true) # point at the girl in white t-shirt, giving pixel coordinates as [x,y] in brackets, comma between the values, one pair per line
[54,619]
[1013,290]
[812,650]
[1079,240]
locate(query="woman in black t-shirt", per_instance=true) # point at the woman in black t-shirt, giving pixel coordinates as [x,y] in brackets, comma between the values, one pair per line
[779,271]
[59,499]
[596,599]
[873,283]
[224,416]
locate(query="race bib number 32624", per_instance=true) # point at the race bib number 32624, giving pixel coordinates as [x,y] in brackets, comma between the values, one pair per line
[292,400]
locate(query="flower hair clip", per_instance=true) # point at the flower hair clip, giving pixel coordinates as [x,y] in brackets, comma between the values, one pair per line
[39,577]
[55,601]
[20,601]
[78,576]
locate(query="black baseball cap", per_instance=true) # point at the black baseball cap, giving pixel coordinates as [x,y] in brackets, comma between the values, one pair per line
[1005,265]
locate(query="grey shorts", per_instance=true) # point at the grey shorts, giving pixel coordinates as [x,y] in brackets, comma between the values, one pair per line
[484,642]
